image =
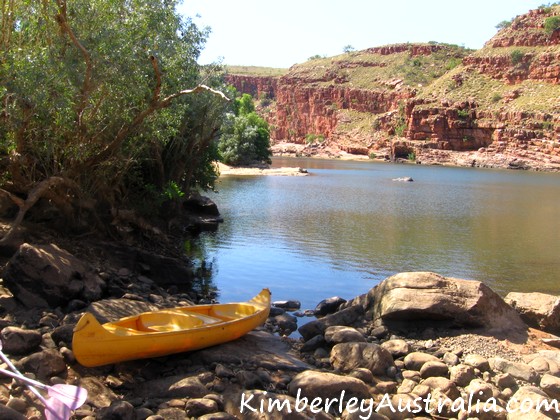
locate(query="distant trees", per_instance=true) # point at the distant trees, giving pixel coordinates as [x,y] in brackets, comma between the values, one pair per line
[348,49]
[101,107]
[503,24]
[245,136]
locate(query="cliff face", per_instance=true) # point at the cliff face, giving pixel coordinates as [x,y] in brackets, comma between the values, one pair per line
[498,106]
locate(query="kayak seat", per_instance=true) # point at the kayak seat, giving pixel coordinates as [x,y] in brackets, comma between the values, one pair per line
[172,321]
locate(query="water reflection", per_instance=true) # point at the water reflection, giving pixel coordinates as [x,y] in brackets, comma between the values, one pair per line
[348,225]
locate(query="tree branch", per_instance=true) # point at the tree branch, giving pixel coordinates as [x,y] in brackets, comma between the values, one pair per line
[87,85]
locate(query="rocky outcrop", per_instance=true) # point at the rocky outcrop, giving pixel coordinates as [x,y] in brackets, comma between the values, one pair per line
[48,276]
[539,310]
[326,100]
[453,302]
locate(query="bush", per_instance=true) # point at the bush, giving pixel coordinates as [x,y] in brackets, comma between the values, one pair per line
[463,113]
[496,97]
[245,135]
[551,24]
[516,57]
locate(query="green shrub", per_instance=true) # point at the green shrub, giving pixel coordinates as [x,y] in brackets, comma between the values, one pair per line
[372,155]
[516,57]
[551,24]
[411,156]
[463,113]
[503,24]
[496,97]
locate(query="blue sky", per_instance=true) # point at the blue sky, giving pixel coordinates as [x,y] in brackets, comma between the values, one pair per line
[277,33]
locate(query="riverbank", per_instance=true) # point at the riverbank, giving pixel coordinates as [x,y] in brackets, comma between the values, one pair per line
[456,339]
[417,152]
[260,170]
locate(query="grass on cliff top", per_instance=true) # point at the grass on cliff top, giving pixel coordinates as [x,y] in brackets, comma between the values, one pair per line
[363,69]
[256,71]
[490,93]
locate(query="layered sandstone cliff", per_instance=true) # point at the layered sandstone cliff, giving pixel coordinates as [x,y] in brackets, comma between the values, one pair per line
[498,106]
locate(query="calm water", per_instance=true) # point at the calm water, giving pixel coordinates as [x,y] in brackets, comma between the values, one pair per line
[347,226]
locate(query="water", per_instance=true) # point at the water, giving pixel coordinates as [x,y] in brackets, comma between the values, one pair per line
[348,225]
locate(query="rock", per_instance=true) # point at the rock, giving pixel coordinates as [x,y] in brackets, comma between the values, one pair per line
[267,351]
[518,370]
[44,364]
[415,360]
[201,205]
[172,387]
[349,356]
[340,334]
[10,414]
[444,385]
[477,362]
[462,375]
[505,380]
[396,347]
[434,368]
[551,386]
[450,358]
[313,343]
[249,380]
[287,305]
[363,374]
[47,276]
[328,306]
[19,341]
[197,407]
[453,302]
[346,316]
[108,310]
[480,390]
[538,310]
[313,384]
[403,179]
[527,397]
[286,323]
[117,410]
[63,334]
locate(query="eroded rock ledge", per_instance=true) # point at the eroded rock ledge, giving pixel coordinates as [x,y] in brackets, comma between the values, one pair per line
[415,337]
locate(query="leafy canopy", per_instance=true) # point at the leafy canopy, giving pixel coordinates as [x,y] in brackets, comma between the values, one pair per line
[245,135]
[96,103]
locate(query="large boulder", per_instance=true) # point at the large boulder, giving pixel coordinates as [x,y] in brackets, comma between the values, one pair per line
[48,276]
[538,310]
[454,302]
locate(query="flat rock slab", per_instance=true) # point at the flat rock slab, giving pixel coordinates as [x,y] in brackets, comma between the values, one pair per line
[259,348]
[109,310]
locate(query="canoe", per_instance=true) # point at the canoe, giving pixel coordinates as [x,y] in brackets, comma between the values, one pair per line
[169,331]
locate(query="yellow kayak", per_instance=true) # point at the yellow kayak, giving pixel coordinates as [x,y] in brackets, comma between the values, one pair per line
[154,334]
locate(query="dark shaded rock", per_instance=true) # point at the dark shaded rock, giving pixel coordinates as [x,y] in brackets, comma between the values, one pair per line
[172,387]
[346,316]
[286,323]
[197,407]
[44,364]
[63,334]
[201,205]
[8,413]
[121,410]
[329,305]
[19,341]
[288,305]
[313,343]
[48,276]
[342,334]
[249,380]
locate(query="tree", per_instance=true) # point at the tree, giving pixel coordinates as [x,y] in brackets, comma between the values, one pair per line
[245,135]
[348,49]
[97,104]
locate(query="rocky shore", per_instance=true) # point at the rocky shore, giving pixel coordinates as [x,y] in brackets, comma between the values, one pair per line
[440,347]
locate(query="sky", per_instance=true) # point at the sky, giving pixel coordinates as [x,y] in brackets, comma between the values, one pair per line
[280,33]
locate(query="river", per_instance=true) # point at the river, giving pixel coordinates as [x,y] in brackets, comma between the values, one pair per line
[348,225]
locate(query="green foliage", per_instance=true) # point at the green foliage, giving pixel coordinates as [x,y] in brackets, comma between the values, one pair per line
[463,114]
[411,156]
[348,49]
[245,136]
[372,155]
[516,57]
[551,24]
[496,97]
[90,94]
[314,138]
[504,24]
[316,57]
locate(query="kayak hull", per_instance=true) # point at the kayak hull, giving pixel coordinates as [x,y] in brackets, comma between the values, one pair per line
[165,332]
